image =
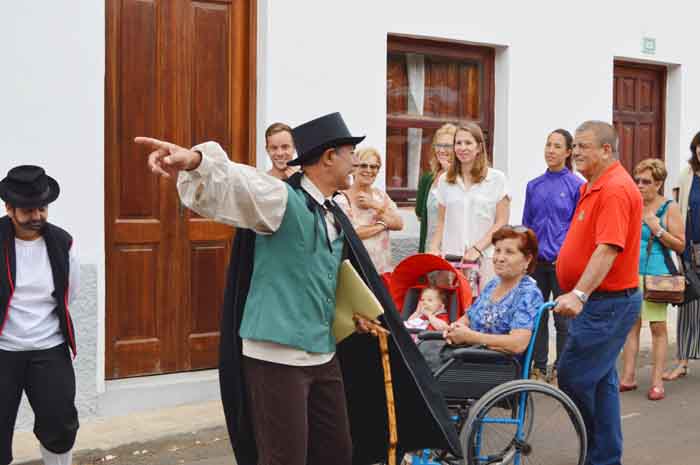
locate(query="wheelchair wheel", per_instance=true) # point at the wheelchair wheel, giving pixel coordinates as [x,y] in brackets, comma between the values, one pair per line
[524,422]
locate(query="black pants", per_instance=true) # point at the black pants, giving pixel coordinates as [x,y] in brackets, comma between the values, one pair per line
[299,413]
[546,277]
[48,379]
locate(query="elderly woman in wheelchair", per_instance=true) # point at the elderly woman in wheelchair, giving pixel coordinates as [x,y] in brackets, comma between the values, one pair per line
[483,372]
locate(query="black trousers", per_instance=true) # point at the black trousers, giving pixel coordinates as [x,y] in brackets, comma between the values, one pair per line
[48,379]
[299,413]
[546,276]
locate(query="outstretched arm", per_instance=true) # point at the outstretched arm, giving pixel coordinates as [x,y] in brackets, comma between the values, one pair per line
[214,187]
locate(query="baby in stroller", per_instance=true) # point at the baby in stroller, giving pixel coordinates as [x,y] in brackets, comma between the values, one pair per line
[430,314]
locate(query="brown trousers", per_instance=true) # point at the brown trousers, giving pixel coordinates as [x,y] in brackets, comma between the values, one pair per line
[298,413]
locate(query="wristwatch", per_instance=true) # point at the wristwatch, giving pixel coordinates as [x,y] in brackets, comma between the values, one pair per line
[582,296]
[659,233]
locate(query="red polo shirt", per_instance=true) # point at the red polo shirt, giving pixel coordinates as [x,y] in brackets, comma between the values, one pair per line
[609,213]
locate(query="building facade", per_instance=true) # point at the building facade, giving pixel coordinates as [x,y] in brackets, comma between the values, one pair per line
[81,78]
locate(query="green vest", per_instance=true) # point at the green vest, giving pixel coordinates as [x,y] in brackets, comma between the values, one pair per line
[291,299]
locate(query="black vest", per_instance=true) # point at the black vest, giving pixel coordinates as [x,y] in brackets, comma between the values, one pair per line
[58,244]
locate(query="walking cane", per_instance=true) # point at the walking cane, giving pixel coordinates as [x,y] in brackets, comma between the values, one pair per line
[389,389]
[382,334]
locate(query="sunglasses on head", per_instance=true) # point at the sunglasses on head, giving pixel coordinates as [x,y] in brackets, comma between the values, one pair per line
[643,181]
[367,166]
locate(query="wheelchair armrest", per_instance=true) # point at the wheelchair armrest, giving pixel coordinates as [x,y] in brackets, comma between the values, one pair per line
[480,354]
[430,336]
[414,330]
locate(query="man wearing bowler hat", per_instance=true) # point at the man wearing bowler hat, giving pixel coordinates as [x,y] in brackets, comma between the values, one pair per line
[39,278]
[291,395]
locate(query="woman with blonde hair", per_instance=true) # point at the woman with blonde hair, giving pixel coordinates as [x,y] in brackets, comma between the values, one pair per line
[371,210]
[473,203]
[426,198]
[662,233]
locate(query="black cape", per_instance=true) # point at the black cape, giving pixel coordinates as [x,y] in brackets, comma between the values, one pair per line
[422,417]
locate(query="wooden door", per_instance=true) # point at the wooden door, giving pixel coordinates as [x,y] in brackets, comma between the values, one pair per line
[183,71]
[639,93]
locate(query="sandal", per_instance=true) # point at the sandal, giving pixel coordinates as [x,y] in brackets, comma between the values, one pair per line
[656,393]
[628,387]
[678,371]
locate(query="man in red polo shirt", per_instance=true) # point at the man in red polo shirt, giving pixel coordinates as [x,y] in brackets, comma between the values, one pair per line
[597,269]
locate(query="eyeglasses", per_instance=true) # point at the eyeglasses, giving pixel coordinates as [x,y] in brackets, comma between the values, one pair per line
[367,166]
[643,181]
[442,146]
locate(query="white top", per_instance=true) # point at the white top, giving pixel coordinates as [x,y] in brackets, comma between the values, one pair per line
[431,208]
[32,323]
[469,214]
[241,196]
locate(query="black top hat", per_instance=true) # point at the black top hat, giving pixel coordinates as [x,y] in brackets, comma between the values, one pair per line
[313,138]
[28,186]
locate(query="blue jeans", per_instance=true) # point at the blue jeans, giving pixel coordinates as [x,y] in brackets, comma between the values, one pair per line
[587,371]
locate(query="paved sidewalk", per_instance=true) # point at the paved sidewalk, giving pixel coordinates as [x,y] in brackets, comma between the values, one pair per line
[109,433]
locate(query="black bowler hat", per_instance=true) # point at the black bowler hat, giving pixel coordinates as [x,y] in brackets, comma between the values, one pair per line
[315,137]
[28,186]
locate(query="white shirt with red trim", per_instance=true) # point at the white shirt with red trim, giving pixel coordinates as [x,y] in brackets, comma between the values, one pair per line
[31,322]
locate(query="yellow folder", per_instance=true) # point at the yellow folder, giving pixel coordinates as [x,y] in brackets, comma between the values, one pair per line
[352,296]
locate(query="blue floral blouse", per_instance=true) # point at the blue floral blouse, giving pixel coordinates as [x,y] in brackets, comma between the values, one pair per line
[516,310]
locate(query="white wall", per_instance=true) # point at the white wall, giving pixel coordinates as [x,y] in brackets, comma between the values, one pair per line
[554,65]
[52,110]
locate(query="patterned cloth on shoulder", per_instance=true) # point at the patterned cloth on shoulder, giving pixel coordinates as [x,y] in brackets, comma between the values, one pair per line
[516,310]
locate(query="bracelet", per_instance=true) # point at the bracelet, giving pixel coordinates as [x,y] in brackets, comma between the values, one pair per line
[382,223]
[477,249]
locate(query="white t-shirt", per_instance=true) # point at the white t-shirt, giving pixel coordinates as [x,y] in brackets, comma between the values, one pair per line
[469,214]
[32,323]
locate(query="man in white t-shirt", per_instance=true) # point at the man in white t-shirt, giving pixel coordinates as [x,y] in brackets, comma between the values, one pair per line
[39,275]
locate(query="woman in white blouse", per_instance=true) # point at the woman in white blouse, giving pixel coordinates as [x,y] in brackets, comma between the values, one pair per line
[473,203]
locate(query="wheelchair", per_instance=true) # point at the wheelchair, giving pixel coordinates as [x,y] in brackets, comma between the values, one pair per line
[502,416]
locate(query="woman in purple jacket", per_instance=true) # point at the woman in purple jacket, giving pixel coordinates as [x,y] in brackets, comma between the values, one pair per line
[550,201]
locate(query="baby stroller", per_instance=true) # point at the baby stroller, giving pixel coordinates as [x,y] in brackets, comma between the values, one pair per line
[502,417]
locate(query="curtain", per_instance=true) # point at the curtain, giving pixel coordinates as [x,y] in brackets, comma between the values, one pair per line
[415,70]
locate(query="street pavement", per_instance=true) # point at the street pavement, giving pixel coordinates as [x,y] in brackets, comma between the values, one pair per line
[664,432]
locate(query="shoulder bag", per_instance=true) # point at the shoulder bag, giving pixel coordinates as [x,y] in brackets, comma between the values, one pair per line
[665,289]
[690,268]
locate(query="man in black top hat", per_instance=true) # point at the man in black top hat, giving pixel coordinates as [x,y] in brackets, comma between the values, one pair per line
[290,395]
[38,282]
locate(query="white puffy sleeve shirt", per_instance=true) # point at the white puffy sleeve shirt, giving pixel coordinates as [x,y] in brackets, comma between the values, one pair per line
[469,213]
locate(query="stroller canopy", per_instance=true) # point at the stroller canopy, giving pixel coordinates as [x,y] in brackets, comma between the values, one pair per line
[412,272]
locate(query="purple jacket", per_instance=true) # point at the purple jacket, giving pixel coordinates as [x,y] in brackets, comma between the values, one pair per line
[550,201]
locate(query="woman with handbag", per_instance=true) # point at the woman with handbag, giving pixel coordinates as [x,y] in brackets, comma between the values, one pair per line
[688,328]
[663,232]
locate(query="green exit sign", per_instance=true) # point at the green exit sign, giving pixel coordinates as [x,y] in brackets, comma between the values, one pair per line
[648,45]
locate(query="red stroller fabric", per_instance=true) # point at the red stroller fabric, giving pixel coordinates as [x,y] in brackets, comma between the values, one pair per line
[412,272]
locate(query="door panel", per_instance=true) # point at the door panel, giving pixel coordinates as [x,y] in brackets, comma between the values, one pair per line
[177,70]
[638,111]
[219,29]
